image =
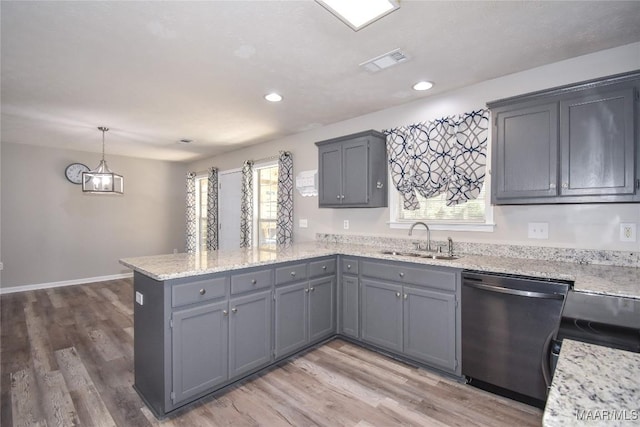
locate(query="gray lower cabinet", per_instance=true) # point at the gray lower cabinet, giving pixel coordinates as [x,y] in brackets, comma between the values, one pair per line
[291,314]
[304,313]
[249,332]
[574,144]
[322,316]
[382,314]
[199,350]
[349,306]
[429,327]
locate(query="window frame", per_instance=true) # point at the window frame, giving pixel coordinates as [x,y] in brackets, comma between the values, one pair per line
[487,226]
[256,202]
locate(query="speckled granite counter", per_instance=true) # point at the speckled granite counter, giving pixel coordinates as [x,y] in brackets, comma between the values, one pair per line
[594,385]
[599,279]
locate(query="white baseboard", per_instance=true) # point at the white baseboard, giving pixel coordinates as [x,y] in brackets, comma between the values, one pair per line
[24,288]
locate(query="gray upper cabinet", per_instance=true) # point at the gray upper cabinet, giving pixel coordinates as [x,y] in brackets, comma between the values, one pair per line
[353,171]
[574,144]
[249,332]
[526,151]
[199,352]
[597,144]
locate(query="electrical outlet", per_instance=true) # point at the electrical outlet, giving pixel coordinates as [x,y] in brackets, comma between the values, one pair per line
[345,224]
[175,251]
[139,298]
[303,223]
[538,230]
[627,232]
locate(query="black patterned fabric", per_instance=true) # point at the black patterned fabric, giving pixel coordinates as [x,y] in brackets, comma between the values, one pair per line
[246,205]
[447,155]
[212,210]
[284,224]
[191,213]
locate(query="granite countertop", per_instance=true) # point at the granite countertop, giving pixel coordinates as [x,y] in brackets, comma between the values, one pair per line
[598,279]
[594,385]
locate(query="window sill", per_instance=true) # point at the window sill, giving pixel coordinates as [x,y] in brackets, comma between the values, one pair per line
[486,228]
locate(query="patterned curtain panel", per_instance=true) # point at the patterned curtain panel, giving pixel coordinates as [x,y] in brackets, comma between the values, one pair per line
[284,224]
[191,212]
[447,155]
[212,210]
[246,205]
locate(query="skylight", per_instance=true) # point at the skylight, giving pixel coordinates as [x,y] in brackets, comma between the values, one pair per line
[359,13]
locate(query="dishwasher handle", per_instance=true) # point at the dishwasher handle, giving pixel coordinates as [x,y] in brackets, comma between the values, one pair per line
[518,292]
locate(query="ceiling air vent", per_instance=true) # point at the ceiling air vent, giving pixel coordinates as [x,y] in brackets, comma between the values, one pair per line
[387,60]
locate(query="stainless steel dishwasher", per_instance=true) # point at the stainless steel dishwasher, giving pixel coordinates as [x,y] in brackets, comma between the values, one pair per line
[508,325]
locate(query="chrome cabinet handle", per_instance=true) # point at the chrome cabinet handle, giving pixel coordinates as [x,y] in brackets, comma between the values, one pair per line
[324,267]
[552,186]
[401,274]
[203,291]
[253,281]
[348,266]
[406,296]
[338,197]
[234,310]
[293,274]
[342,196]
[312,289]
[565,185]
[398,294]
[307,290]
[225,312]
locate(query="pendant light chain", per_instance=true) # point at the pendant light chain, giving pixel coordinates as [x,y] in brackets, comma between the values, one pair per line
[103,129]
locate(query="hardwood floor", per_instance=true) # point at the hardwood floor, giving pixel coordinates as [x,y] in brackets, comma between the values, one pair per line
[67,359]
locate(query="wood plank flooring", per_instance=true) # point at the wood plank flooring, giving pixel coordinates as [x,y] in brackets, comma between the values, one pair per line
[67,360]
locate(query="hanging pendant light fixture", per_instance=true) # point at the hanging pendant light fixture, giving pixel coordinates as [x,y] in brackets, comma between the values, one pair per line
[101,180]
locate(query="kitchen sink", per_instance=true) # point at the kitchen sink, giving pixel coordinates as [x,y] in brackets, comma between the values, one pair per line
[421,255]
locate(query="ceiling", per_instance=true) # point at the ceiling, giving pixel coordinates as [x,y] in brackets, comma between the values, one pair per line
[159,72]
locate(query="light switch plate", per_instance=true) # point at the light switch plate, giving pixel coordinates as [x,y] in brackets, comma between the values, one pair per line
[303,223]
[627,232]
[139,298]
[345,224]
[538,230]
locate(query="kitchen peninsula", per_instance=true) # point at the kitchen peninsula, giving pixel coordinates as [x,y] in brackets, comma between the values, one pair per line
[300,296]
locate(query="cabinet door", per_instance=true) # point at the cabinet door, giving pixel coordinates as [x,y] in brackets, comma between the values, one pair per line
[330,185]
[349,308]
[249,332]
[526,152]
[199,349]
[382,314]
[355,172]
[430,327]
[291,318]
[322,313]
[597,144]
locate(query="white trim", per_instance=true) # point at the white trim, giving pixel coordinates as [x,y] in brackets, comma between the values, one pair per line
[24,288]
[228,171]
[467,226]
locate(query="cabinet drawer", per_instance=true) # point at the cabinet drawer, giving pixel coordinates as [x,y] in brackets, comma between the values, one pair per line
[322,268]
[349,266]
[401,273]
[202,290]
[256,279]
[292,273]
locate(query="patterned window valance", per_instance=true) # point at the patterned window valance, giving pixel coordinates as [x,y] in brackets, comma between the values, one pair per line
[444,155]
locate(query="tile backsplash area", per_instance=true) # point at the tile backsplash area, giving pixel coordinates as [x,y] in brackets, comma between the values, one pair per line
[580,256]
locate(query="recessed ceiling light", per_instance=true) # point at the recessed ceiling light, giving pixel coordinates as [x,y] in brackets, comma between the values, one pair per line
[273,97]
[422,85]
[359,13]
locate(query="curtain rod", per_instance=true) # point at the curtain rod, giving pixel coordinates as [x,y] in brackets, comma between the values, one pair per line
[264,159]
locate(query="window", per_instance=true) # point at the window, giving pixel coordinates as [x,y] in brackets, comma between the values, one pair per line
[474,215]
[266,206]
[202,187]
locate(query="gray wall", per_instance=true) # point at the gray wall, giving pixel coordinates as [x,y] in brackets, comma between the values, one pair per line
[52,232]
[577,226]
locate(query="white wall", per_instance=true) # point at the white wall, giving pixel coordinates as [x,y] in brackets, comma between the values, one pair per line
[52,232]
[579,226]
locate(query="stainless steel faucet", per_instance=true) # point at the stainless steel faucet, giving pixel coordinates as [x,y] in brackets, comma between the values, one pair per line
[428,232]
[450,251]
